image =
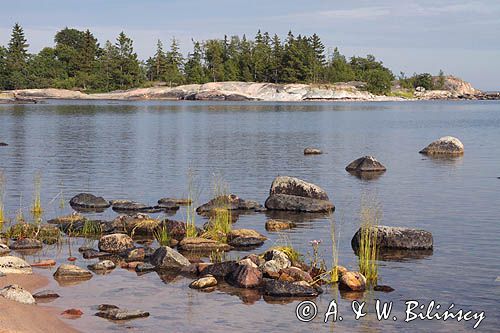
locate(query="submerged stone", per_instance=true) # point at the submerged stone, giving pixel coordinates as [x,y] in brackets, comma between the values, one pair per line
[278,288]
[121,314]
[312,151]
[276,225]
[365,164]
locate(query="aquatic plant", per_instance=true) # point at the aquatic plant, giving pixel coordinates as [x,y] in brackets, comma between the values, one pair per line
[91,228]
[334,236]
[146,223]
[193,195]
[217,256]
[370,216]
[284,244]
[162,236]
[36,208]
[219,225]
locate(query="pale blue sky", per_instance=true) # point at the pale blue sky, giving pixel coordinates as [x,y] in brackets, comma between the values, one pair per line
[460,37]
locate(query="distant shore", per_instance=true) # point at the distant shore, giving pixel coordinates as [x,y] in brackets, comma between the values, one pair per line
[246,91]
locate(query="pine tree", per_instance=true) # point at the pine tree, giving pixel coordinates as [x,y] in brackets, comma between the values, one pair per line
[276,59]
[16,59]
[174,64]
[195,73]
[214,53]
[157,65]
[245,60]
[130,73]
[261,57]
[319,57]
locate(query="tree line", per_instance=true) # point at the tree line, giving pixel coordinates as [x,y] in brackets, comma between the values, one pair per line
[78,61]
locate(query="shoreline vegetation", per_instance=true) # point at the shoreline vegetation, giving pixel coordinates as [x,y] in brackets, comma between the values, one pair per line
[266,68]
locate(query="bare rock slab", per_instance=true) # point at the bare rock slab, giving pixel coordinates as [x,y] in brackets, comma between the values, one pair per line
[16,293]
[121,314]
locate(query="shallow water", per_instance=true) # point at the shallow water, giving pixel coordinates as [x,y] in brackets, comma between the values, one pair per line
[143,150]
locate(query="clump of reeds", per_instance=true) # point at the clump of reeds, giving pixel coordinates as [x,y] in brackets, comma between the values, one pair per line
[370,216]
[217,256]
[284,245]
[91,228]
[162,236]
[36,209]
[334,274]
[193,194]
[220,223]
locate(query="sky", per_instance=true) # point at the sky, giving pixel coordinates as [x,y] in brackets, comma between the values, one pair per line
[460,37]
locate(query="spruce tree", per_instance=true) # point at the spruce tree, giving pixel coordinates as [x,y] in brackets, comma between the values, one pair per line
[195,73]
[16,59]
[174,64]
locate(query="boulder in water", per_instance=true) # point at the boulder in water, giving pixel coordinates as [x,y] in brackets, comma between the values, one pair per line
[446,145]
[397,238]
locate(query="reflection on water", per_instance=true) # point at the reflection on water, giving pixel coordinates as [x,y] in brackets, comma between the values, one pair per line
[142,151]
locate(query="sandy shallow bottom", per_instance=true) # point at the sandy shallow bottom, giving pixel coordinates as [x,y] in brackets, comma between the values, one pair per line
[17,317]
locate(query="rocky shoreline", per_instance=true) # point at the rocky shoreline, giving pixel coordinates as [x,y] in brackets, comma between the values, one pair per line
[250,91]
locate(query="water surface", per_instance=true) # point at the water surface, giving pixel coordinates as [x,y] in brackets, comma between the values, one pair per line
[143,151]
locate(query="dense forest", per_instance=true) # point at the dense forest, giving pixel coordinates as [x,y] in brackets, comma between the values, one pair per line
[78,61]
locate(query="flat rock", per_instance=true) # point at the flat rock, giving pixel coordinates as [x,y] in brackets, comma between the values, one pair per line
[14,265]
[26,244]
[44,263]
[276,225]
[245,238]
[245,276]
[278,288]
[115,243]
[397,238]
[92,254]
[144,267]
[230,202]
[293,194]
[70,272]
[175,201]
[87,200]
[3,144]
[201,244]
[167,258]
[122,314]
[353,281]
[71,218]
[16,293]
[133,206]
[365,164]
[312,151]
[204,282]
[446,145]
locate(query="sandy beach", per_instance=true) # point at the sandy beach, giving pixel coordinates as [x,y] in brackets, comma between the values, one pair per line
[17,317]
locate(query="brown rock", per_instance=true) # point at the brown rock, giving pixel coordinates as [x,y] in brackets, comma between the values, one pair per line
[72,313]
[201,244]
[204,282]
[353,281]
[275,225]
[295,274]
[44,263]
[115,243]
[245,277]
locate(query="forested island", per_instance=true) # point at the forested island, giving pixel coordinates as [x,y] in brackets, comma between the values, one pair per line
[77,62]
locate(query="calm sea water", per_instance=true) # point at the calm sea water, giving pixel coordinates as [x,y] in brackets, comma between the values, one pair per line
[144,150]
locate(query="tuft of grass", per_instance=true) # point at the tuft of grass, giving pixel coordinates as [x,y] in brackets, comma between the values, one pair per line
[161,235]
[45,233]
[220,225]
[370,216]
[217,256]
[36,209]
[334,236]
[91,228]
[146,224]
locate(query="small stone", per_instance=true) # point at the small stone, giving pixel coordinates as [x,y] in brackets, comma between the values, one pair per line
[4,249]
[115,243]
[72,313]
[221,269]
[245,238]
[92,254]
[119,314]
[44,294]
[385,289]
[247,262]
[365,164]
[44,263]
[87,200]
[275,225]
[26,244]
[104,307]
[137,254]
[144,267]
[278,288]
[104,265]
[130,265]
[14,265]
[16,293]
[353,281]
[312,151]
[175,201]
[295,274]
[66,271]
[204,282]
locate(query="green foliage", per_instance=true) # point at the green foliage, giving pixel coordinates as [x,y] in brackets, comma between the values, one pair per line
[370,216]
[161,235]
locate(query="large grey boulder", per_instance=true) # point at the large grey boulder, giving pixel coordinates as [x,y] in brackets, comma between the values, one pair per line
[397,238]
[446,145]
[14,265]
[167,258]
[293,194]
[18,294]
